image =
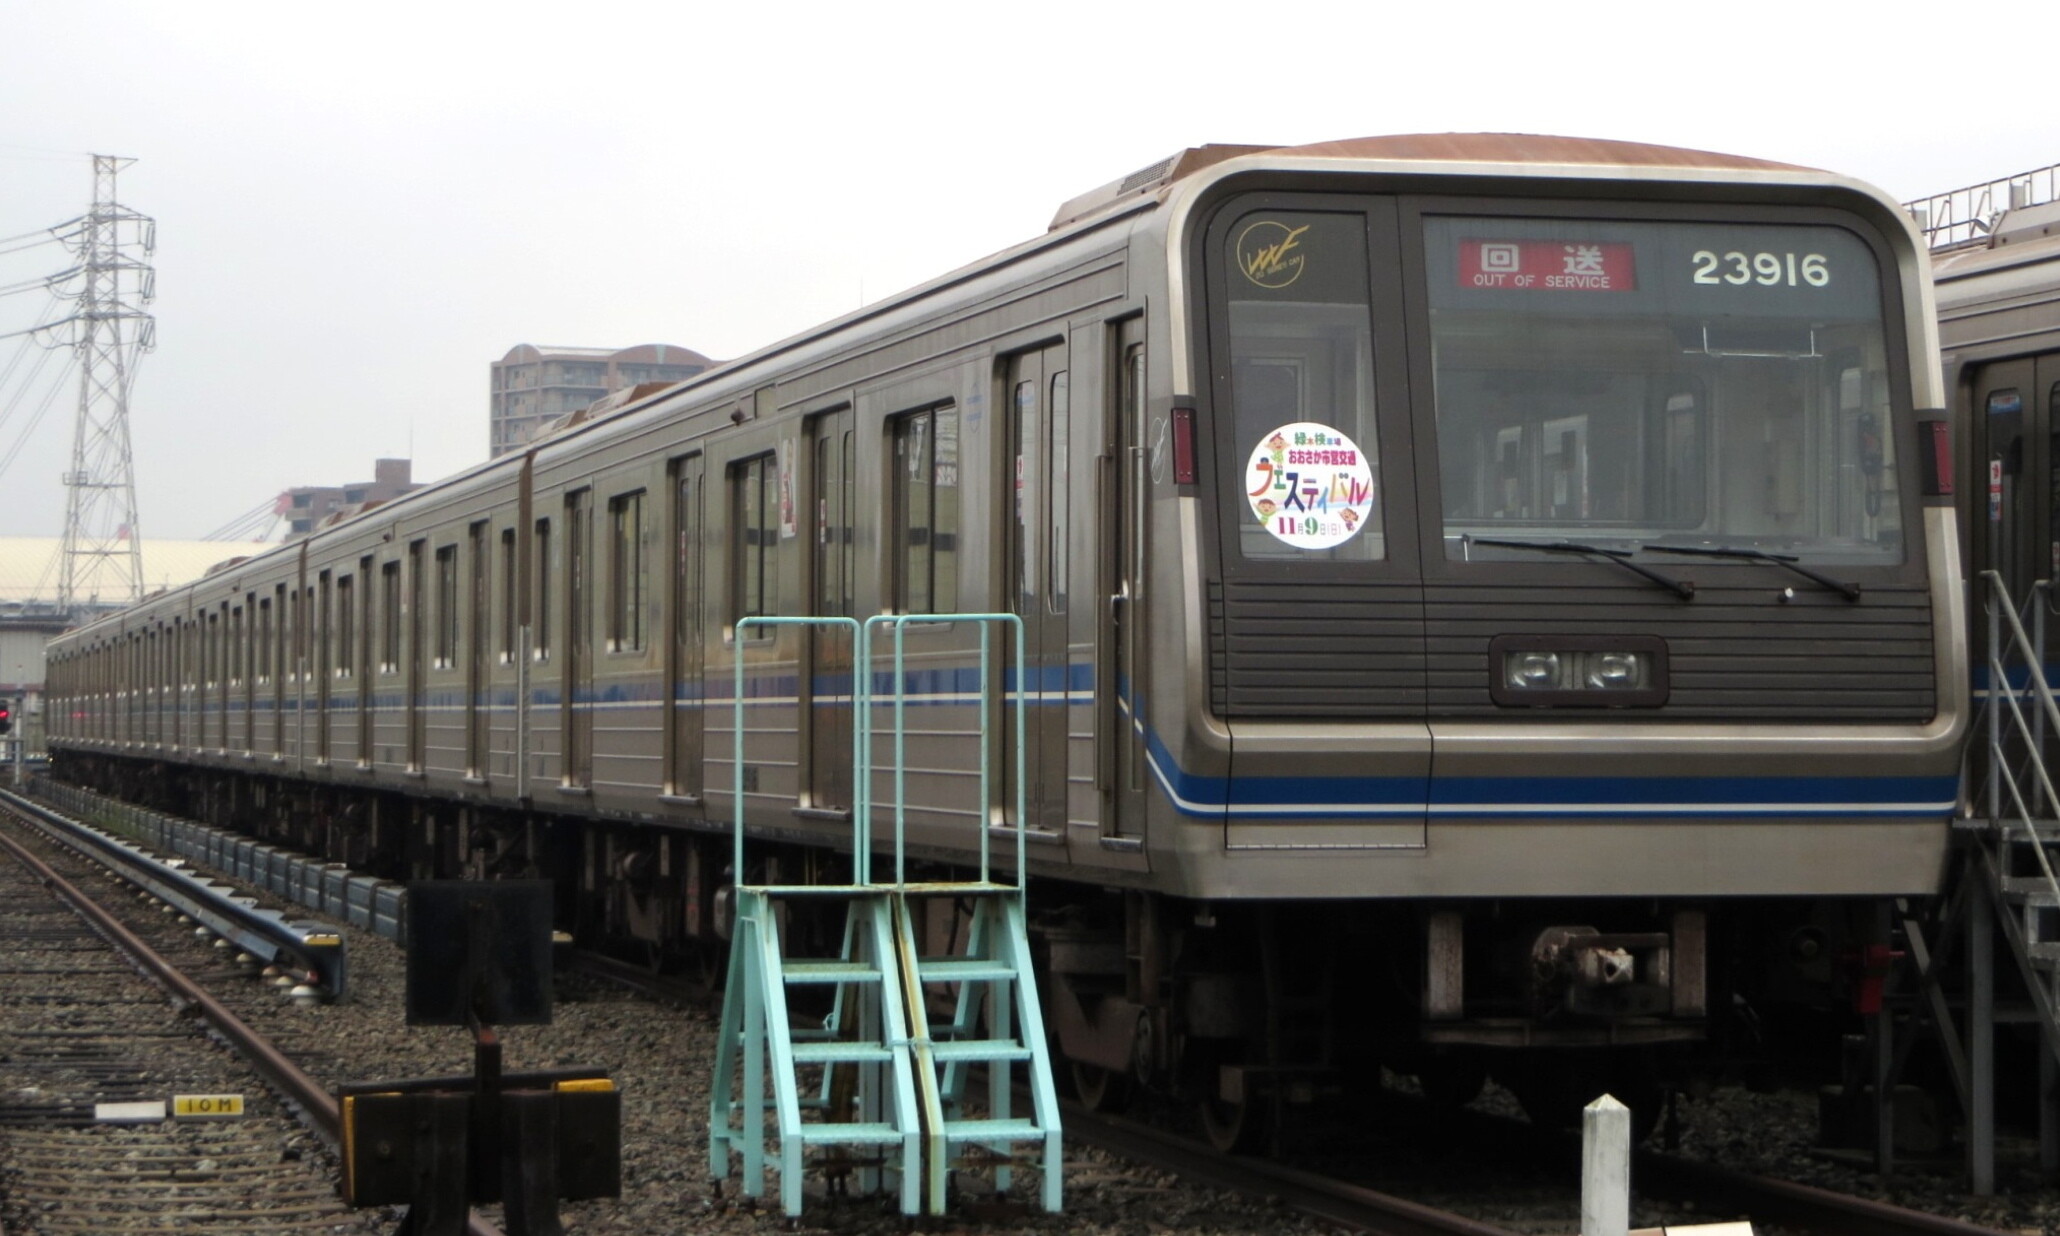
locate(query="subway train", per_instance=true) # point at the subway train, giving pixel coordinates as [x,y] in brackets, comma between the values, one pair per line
[1491,605]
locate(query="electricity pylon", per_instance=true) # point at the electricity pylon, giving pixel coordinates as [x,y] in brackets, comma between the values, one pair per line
[102,554]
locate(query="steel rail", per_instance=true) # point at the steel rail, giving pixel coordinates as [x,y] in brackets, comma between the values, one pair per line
[1334,1201]
[318,952]
[317,1105]
[1783,1201]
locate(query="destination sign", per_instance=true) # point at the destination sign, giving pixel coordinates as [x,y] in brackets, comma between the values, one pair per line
[1548,265]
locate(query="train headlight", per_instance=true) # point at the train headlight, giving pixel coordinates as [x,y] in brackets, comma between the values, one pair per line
[1615,671]
[1589,671]
[1531,671]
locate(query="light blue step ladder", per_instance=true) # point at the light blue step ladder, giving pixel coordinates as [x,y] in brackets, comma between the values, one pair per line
[895,1097]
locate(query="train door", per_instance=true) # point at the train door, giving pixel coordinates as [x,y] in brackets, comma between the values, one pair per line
[1038,406]
[2017,416]
[830,649]
[1123,666]
[684,667]
[579,651]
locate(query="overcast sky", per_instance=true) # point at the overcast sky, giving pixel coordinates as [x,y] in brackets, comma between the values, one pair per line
[361,207]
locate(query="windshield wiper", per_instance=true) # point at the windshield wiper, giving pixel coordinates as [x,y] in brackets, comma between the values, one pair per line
[1683,588]
[1787,562]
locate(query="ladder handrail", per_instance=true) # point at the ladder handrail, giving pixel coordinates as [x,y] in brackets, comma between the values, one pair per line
[861,842]
[2002,695]
[864,698]
[985,621]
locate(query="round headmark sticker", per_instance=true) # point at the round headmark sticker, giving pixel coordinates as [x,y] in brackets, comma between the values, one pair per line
[1309,485]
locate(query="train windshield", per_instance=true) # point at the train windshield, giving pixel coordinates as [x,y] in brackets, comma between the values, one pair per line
[1636,385]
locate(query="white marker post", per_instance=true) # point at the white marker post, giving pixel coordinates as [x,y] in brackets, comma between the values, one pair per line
[1605,1168]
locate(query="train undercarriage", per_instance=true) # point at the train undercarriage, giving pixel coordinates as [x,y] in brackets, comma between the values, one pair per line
[1248,1011]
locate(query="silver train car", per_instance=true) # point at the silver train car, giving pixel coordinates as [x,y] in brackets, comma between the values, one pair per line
[1491,604]
[1998,298]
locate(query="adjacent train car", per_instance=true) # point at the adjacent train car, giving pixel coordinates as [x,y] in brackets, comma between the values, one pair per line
[1998,291]
[1489,605]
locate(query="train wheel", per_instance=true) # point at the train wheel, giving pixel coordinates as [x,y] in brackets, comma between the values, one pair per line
[1236,1128]
[1452,1084]
[1100,1089]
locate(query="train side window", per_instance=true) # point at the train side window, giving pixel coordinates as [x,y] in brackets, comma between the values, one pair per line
[1059,476]
[925,511]
[627,571]
[446,606]
[390,618]
[325,621]
[346,626]
[508,599]
[238,648]
[543,590]
[754,542]
[264,640]
[477,633]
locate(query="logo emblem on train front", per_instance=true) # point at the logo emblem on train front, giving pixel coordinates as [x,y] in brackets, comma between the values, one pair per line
[1269,253]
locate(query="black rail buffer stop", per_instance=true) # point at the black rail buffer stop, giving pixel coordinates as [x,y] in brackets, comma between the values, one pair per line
[479,955]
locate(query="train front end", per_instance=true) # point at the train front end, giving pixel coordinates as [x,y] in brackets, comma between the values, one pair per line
[1570,582]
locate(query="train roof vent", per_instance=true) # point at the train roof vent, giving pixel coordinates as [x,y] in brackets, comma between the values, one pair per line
[2028,223]
[1147,180]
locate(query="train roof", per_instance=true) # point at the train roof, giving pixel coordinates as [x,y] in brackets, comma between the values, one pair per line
[1507,148]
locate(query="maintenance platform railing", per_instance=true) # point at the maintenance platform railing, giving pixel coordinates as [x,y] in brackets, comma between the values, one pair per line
[1961,216]
[892,1098]
[2005,874]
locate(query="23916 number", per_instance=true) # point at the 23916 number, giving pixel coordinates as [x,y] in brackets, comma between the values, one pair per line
[1766,269]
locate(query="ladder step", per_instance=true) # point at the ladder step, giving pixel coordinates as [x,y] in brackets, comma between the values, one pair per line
[2029,891]
[852,1133]
[842,1052]
[963,970]
[829,972]
[978,1050]
[992,1130]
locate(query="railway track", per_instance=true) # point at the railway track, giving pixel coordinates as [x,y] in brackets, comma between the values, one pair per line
[98,1014]
[1319,1190]
[1683,1185]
